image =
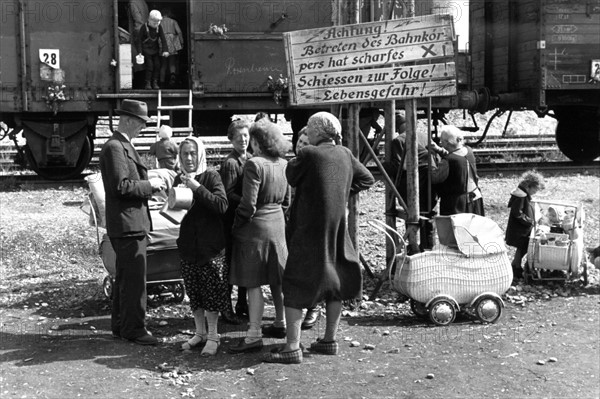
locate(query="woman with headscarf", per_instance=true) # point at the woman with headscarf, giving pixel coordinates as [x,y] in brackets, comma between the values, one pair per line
[201,245]
[259,250]
[322,263]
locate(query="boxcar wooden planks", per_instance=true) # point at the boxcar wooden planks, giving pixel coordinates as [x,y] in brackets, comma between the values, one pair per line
[533,45]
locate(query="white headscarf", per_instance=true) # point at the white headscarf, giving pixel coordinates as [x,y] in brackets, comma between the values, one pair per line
[201,157]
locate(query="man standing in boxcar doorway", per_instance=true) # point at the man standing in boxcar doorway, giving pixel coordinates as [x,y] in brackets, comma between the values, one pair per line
[128,222]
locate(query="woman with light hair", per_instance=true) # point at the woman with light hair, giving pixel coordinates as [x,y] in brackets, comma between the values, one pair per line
[455,178]
[322,264]
[259,251]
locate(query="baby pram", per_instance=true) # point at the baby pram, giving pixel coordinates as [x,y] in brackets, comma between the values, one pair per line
[163,273]
[556,243]
[468,270]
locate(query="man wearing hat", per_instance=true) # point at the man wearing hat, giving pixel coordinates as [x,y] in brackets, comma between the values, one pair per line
[128,221]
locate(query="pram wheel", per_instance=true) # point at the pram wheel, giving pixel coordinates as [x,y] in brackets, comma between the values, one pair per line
[178,292]
[107,287]
[442,312]
[418,308]
[488,309]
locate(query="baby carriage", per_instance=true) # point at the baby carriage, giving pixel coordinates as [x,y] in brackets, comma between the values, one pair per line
[163,272]
[468,270]
[555,249]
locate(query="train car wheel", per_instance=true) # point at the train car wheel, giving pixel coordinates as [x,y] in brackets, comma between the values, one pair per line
[488,309]
[442,312]
[577,134]
[55,173]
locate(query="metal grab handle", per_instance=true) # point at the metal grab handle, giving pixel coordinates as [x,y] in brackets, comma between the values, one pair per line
[93,212]
[384,228]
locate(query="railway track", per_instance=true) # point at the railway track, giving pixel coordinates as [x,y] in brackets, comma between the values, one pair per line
[217,147]
[483,169]
[495,155]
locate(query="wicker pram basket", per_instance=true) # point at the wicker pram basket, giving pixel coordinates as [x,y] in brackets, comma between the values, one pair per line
[468,270]
[556,242]
[471,258]
[448,271]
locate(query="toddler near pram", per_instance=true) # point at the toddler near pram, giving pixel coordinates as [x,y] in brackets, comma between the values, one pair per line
[521,217]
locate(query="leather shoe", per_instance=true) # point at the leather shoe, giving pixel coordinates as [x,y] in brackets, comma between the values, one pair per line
[230,318]
[241,310]
[312,315]
[145,339]
[273,331]
[243,347]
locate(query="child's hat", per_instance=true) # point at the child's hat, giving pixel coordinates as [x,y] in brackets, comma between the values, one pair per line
[165,132]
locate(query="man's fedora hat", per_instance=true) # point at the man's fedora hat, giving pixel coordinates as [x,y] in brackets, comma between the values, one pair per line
[135,108]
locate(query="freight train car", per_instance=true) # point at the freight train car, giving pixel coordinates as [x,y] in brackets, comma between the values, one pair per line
[65,63]
[541,55]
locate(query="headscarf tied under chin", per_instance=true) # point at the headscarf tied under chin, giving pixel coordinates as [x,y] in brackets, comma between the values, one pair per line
[327,125]
[201,157]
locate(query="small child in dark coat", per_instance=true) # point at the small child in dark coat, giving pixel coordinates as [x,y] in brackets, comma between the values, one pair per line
[165,150]
[520,219]
[150,42]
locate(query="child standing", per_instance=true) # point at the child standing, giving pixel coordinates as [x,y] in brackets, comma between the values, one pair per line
[165,150]
[520,219]
[149,45]
[174,39]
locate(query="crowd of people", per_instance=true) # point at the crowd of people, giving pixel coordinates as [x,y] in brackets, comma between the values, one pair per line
[242,229]
[263,221]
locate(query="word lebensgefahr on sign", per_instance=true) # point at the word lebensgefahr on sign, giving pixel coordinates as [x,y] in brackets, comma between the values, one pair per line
[376,61]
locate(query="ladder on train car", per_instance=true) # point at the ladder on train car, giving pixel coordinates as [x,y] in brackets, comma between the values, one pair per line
[189,129]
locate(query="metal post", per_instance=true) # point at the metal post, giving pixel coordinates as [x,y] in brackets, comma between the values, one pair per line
[412,165]
[353,17]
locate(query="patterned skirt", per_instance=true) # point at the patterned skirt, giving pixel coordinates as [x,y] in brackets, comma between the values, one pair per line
[207,285]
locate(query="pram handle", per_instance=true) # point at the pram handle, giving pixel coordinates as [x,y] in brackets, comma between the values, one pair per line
[384,228]
[93,213]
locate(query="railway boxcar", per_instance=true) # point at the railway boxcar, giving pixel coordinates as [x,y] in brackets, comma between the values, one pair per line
[66,63]
[542,55]
[55,57]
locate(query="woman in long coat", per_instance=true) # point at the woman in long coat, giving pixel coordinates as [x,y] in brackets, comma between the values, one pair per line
[259,250]
[322,264]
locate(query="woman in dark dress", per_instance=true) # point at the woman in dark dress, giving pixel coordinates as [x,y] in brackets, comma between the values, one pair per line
[322,264]
[201,245]
[231,173]
[259,250]
[455,178]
